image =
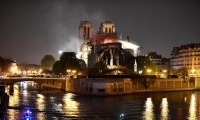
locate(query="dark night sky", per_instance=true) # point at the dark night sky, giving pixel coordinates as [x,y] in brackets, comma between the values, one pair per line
[31,29]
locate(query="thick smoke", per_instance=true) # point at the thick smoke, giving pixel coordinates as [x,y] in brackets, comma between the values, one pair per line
[67,34]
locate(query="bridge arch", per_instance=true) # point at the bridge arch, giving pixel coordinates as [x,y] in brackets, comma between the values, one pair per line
[57,83]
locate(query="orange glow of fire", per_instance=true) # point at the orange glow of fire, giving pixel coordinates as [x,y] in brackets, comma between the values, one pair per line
[107,40]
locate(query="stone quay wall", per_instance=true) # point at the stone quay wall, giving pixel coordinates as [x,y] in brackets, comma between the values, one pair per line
[118,86]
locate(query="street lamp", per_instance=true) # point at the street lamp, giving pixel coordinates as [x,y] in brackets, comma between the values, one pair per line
[59,53]
[68,70]
[164,71]
[149,70]
[71,73]
[193,72]
[13,69]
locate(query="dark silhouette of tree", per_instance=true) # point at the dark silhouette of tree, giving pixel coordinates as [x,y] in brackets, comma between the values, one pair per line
[182,72]
[47,62]
[56,68]
[5,64]
[98,68]
[68,60]
[143,63]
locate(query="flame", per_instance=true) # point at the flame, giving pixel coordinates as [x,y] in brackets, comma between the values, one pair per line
[104,38]
[107,40]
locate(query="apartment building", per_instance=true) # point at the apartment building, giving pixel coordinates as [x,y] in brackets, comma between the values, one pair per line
[187,56]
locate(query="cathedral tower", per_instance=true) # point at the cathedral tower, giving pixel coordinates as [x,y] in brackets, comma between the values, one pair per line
[107,27]
[85,34]
[86,30]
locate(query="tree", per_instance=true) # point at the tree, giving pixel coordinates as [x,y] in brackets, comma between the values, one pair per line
[68,60]
[47,62]
[100,65]
[172,71]
[98,68]
[182,72]
[56,68]
[5,64]
[143,63]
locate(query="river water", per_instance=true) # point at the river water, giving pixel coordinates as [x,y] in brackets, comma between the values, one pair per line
[51,104]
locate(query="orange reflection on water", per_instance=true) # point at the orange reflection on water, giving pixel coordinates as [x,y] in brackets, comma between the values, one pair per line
[14,99]
[71,107]
[192,108]
[40,102]
[13,114]
[148,113]
[164,109]
[40,116]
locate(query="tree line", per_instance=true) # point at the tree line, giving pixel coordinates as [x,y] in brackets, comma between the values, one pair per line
[68,60]
[5,64]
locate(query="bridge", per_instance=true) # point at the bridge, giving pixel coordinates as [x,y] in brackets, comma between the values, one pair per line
[55,82]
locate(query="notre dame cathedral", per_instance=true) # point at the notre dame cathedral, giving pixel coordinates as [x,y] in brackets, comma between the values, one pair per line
[104,45]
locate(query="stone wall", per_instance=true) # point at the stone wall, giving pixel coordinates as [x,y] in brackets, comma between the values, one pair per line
[55,84]
[113,86]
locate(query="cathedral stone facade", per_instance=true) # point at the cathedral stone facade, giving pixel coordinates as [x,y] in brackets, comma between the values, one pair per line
[103,45]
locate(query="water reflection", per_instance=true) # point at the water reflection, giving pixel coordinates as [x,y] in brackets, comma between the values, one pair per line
[52,104]
[71,107]
[41,106]
[148,113]
[14,98]
[40,102]
[164,109]
[13,101]
[41,116]
[192,108]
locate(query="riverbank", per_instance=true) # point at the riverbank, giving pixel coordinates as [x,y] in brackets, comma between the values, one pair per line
[120,86]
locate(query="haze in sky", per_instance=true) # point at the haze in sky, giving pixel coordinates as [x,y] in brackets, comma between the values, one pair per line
[29,30]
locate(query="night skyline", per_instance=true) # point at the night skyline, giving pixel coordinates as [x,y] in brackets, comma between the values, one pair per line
[31,29]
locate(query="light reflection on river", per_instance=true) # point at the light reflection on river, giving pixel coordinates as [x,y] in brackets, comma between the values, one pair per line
[51,104]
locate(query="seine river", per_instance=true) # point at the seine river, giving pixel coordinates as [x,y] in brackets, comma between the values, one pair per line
[51,104]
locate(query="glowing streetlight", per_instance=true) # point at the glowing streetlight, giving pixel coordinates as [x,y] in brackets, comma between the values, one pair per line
[193,70]
[68,70]
[14,69]
[71,72]
[59,53]
[164,71]
[149,71]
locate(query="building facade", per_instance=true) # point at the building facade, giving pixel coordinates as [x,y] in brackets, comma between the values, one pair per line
[187,56]
[162,64]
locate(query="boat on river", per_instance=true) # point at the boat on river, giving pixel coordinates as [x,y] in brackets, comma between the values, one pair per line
[27,115]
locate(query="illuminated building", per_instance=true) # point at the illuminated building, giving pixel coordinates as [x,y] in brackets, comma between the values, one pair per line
[187,56]
[25,69]
[104,45]
[163,64]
